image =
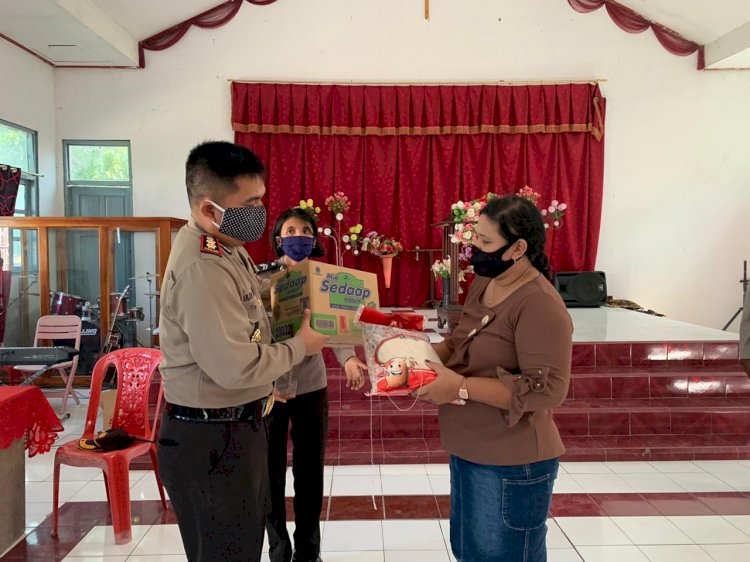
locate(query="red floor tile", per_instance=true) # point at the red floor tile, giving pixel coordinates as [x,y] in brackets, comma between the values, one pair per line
[678,504]
[349,508]
[411,507]
[726,503]
[575,505]
[626,505]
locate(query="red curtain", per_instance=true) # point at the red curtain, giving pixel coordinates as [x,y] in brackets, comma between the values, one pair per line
[210,19]
[631,21]
[404,154]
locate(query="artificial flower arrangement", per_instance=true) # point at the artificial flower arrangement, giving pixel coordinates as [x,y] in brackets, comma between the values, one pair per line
[380,245]
[465,215]
[338,204]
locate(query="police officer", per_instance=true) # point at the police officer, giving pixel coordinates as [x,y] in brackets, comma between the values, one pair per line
[219,362]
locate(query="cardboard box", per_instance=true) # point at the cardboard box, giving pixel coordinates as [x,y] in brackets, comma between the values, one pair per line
[333,295]
[107,404]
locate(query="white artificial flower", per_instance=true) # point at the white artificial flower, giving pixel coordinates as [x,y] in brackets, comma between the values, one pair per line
[327,231]
[345,238]
[339,217]
[460,205]
[467,235]
[557,223]
[471,213]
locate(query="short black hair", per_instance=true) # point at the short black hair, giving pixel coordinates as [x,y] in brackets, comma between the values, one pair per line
[212,166]
[301,214]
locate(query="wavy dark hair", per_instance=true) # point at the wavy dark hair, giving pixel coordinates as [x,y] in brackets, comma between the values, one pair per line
[518,218]
[304,216]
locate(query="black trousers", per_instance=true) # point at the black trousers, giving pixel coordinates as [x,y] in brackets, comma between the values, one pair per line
[308,414]
[217,480]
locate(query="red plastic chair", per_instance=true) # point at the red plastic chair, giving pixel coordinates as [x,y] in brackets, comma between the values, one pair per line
[135,371]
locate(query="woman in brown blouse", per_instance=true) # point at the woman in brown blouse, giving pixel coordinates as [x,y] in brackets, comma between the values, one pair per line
[509,360]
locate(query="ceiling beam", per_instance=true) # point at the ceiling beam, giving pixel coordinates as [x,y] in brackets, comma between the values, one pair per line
[101,24]
[727,50]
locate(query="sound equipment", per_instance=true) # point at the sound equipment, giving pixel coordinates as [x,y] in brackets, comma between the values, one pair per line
[582,289]
[36,355]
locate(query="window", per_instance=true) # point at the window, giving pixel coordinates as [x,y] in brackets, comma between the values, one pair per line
[18,149]
[96,168]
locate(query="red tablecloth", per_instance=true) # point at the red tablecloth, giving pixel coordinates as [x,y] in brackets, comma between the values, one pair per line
[25,412]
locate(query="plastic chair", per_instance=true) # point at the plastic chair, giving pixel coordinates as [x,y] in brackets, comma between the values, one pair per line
[135,371]
[54,328]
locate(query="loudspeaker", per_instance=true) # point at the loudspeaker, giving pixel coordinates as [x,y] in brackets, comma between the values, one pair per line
[582,288]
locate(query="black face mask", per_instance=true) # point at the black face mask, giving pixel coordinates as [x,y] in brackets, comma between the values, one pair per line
[490,264]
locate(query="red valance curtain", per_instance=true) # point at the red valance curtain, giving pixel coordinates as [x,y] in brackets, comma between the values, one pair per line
[631,21]
[404,154]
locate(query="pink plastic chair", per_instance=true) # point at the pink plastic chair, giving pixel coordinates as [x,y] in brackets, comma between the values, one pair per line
[135,370]
[53,328]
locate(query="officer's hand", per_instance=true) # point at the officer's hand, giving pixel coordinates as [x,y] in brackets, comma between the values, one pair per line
[314,341]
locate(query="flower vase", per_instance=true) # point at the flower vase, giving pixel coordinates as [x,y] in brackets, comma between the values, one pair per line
[387,262]
[446,282]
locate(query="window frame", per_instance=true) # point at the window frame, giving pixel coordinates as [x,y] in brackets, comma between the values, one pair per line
[29,178]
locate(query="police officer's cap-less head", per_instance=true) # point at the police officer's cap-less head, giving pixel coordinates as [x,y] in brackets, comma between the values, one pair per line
[225,186]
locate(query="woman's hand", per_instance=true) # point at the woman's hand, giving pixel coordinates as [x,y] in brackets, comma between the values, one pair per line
[355,369]
[281,398]
[442,390]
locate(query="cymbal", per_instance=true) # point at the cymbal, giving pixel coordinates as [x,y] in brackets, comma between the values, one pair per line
[147,276]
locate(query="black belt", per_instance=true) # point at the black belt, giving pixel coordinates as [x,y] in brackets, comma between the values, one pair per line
[252,412]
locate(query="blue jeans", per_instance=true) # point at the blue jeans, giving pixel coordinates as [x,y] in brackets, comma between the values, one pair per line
[499,513]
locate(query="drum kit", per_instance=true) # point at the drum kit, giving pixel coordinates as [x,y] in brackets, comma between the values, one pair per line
[123,321]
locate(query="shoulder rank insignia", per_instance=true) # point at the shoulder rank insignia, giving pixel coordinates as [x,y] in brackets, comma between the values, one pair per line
[209,245]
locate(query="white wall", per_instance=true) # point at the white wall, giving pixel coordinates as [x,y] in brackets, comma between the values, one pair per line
[677,182]
[27,98]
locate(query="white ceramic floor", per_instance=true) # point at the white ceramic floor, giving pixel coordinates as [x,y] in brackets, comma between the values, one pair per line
[591,539]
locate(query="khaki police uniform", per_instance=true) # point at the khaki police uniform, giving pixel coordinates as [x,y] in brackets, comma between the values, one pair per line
[218,368]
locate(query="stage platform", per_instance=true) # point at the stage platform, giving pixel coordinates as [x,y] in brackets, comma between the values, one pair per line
[643,388]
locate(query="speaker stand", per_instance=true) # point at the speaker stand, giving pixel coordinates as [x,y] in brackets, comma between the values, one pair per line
[744,282]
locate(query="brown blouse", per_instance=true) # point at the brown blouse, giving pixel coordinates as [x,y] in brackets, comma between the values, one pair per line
[525,341]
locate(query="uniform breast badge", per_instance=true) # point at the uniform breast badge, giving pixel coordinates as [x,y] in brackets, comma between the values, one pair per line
[257,336]
[209,245]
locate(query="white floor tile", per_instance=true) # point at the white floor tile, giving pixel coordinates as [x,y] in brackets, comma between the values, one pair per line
[563,555]
[161,539]
[586,468]
[77,474]
[359,556]
[651,530]
[40,467]
[37,512]
[728,552]
[343,536]
[555,537]
[416,556]
[740,481]
[439,469]
[93,491]
[745,463]
[710,530]
[673,553]
[719,466]
[413,535]
[602,484]
[95,559]
[356,485]
[673,467]
[401,469]
[101,541]
[700,482]
[42,491]
[157,558]
[440,483]
[146,489]
[611,554]
[406,484]
[565,484]
[356,470]
[634,467]
[651,483]
[593,531]
[742,522]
